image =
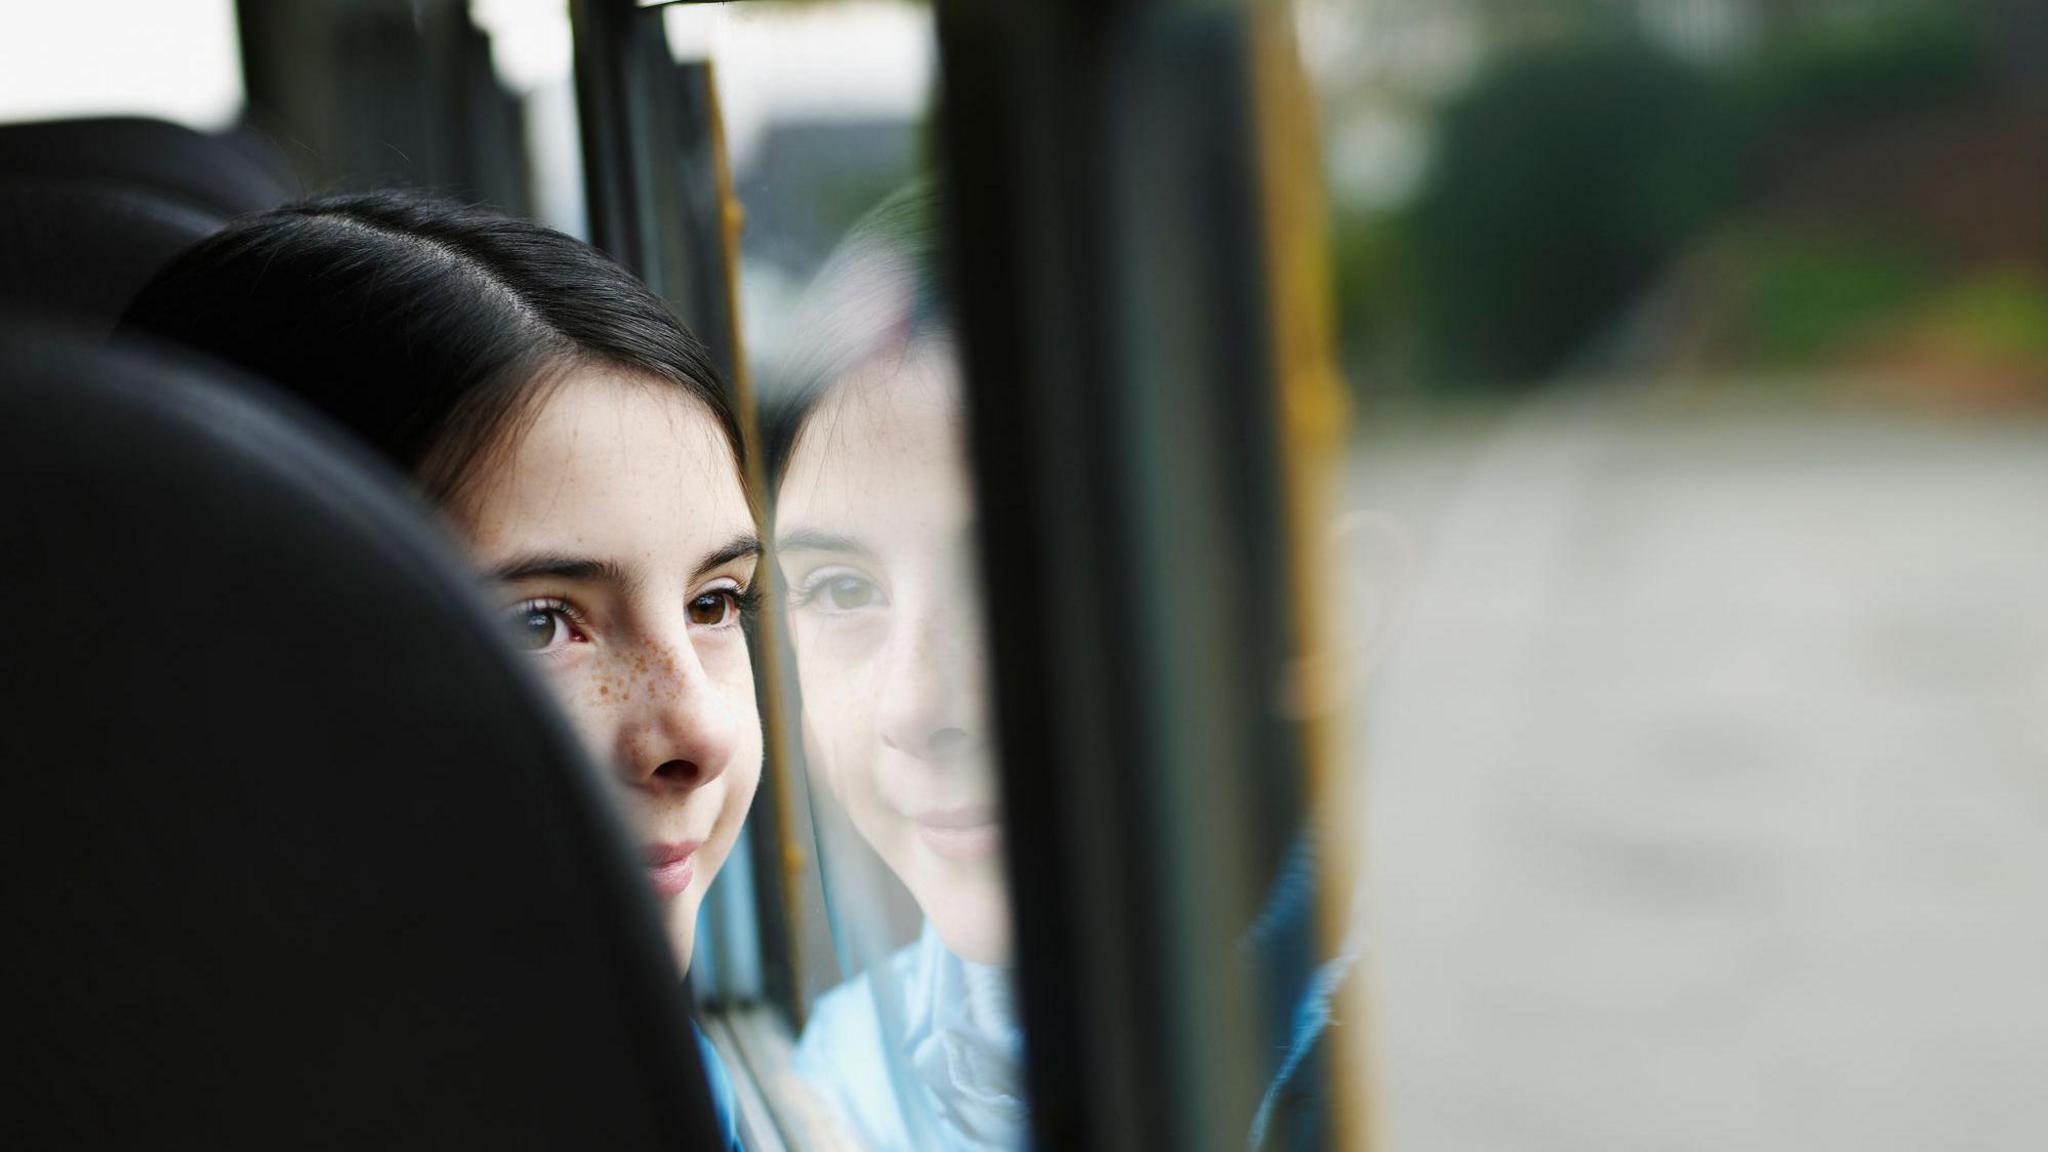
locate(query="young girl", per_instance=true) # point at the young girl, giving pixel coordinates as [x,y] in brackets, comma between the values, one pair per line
[577,441]
[874,523]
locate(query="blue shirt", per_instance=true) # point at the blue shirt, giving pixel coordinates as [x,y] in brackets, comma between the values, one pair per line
[721,1090]
[923,1052]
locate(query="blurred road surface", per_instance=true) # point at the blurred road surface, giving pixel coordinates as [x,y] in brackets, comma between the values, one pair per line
[1707,766]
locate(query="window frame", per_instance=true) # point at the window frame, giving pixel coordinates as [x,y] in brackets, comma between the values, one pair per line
[1110,277]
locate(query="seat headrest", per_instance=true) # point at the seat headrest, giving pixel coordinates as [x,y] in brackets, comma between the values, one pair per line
[90,209]
[226,175]
[300,855]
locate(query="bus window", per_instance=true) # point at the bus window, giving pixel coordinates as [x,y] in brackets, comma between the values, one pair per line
[1023,462]
[875,525]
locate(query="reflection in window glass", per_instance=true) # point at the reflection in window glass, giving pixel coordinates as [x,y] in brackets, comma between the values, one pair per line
[910,1036]
[824,108]
[1693,550]
[874,522]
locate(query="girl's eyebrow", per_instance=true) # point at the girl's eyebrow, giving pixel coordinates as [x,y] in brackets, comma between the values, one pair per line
[809,541]
[558,567]
[741,546]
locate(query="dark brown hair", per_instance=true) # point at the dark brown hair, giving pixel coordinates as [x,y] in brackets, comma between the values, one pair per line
[428,328]
[878,296]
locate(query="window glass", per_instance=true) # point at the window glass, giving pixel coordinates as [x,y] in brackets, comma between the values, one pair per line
[1691,549]
[909,1034]
[825,109]
[175,62]
[532,55]
[470,101]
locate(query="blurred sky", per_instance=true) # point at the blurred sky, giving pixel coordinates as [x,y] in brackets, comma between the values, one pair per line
[175,59]
[857,60]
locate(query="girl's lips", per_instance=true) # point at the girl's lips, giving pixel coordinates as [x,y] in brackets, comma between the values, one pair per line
[960,835]
[671,866]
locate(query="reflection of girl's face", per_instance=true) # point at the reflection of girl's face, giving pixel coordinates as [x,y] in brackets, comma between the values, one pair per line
[621,543]
[874,536]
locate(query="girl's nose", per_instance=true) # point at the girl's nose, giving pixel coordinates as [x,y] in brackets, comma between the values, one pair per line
[930,705]
[683,730]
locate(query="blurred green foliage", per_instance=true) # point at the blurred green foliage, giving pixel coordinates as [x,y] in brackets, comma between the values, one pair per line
[1573,170]
[1807,295]
[2001,312]
[1560,181]
[1998,314]
[1814,74]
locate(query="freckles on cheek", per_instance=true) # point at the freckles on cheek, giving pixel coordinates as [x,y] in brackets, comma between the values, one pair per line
[600,687]
[636,676]
[590,693]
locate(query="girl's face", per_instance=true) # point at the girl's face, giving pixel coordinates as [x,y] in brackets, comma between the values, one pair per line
[622,549]
[874,529]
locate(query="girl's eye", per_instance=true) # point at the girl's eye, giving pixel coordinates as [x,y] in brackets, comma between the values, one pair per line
[849,593]
[840,590]
[719,607]
[543,626]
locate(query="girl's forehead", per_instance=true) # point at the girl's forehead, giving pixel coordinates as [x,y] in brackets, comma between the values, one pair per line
[610,457]
[895,414]
[602,424]
[891,486]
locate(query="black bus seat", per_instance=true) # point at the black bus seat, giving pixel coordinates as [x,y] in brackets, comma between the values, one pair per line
[90,209]
[298,855]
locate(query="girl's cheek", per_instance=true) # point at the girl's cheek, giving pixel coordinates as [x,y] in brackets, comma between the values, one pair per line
[729,661]
[573,685]
[739,795]
[840,648]
[563,684]
[590,695]
[853,744]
